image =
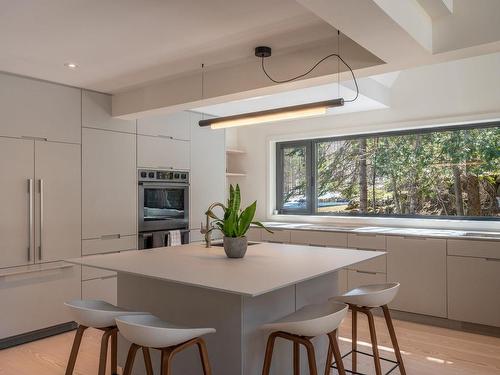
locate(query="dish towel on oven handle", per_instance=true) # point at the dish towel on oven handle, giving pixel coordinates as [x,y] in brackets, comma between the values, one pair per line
[174,238]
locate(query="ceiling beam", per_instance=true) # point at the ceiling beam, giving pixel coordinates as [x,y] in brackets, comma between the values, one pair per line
[240,80]
[437,8]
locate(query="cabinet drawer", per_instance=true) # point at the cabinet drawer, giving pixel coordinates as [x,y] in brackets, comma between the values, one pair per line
[176,125]
[163,153]
[89,273]
[96,113]
[343,283]
[366,241]
[473,290]
[254,234]
[317,238]
[419,265]
[474,248]
[358,278]
[104,289]
[108,245]
[278,235]
[35,300]
[378,264]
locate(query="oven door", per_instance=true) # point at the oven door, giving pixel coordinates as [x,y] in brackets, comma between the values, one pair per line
[163,206]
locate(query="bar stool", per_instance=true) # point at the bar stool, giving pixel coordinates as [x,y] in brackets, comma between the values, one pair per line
[364,299]
[300,327]
[148,331]
[100,315]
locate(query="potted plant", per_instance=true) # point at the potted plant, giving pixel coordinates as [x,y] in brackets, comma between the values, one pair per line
[235,223]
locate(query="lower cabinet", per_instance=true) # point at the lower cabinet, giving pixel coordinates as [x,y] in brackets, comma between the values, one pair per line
[33,297]
[317,238]
[254,234]
[104,288]
[357,278]
[278,236]
[474,290]
[419,264]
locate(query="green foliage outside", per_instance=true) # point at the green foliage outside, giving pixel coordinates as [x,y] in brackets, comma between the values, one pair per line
[446,173]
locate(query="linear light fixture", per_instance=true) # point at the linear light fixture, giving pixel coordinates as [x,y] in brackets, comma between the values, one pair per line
[271,115]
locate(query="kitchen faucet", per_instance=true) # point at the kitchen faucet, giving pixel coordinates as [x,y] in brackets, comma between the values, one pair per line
[207,229]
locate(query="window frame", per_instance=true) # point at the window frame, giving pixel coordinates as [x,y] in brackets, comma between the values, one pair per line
[311,170]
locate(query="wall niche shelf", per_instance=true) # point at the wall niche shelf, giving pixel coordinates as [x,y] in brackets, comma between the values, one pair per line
[235,174]
[234,151]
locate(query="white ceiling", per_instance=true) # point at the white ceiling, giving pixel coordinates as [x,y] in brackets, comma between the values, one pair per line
[122,43]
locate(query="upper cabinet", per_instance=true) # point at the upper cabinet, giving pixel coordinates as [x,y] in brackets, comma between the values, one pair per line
[173,125]
[96,113]
[162,153]
[109,184]
[37,109]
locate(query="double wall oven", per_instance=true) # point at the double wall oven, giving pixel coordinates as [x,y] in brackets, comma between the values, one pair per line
[163,207]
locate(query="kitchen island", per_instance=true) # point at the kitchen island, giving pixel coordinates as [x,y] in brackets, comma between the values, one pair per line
[199,287]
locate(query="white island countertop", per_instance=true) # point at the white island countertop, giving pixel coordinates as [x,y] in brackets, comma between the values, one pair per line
[265,268]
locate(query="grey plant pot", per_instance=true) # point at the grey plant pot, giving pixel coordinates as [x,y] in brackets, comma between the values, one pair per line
[235,247]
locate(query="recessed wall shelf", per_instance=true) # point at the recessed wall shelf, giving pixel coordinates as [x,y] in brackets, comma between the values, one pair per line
[233,174]
[235,151]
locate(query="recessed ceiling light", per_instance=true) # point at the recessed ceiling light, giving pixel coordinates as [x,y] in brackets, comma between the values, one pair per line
[71,65]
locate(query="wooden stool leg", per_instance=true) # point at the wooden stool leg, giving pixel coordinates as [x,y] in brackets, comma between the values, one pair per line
[394,340]
[147,361]
[313,369]
[269,354]
[166,362]
[334,345]
[202,348]
[373,336]
[296,358]
[114,349]
[104,351]
[74,349]
[130,359]
[354,343]
[329,358]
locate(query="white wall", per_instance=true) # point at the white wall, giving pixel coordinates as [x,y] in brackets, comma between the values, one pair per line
[460,91]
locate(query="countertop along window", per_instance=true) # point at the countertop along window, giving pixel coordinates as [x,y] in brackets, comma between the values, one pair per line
[447,172]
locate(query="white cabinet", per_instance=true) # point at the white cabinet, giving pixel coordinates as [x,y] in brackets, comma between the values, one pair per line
[357,278]
[278,236]
[254,234]
[162,153]
[108,244]
[173,125]
[318,238]
[104,289]
[16,202]
[58,199]
[208,175]
[33,297]
[109,184]
[96,113]
[366,241]
[41,201]
[419,264]
[32,108]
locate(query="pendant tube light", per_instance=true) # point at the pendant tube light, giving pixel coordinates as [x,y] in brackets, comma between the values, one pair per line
[278,114]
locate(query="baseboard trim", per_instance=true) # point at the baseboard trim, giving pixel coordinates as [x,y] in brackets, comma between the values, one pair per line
[444,323]
[24,338]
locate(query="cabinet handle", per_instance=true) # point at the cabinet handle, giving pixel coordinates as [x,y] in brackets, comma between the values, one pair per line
[275,241]
[492,259]
[40,248]
[34,138]
[110,236]
[367,272]
[414,238]
[164,167]
[30,217]
[165,136]
[366,234]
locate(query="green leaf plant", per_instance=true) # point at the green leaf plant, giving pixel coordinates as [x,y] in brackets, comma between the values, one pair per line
[236,221]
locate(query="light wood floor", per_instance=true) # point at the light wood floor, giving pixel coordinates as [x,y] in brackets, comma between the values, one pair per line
[426,351]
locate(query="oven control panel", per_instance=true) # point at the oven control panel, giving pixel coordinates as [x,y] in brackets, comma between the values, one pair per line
[160,176]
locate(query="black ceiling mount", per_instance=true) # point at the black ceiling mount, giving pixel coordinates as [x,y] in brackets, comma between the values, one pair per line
[263,51]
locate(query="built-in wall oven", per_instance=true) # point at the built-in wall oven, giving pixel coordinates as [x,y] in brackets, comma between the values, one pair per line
[163,207]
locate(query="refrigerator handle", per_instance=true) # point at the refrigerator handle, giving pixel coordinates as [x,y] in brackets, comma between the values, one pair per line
[40,248]
[30,217]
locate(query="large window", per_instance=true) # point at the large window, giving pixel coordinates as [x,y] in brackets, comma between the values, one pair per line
[445,172]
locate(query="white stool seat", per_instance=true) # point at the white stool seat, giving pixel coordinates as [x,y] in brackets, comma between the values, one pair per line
[152,332]
[375,295]
[311,320]
[95,313]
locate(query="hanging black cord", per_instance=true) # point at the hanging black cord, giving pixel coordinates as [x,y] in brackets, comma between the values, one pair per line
[310,70]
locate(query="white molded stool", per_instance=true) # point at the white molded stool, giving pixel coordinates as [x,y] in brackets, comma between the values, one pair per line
[364,299]
[302,325]
[148,331]
[100,315]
